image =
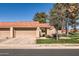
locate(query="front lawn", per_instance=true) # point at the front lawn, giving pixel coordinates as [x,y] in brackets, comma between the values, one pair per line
[51,41]
[74,38]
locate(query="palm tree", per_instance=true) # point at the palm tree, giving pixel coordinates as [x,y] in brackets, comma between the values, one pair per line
[40,17]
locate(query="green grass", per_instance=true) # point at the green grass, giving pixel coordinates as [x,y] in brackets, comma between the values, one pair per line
[49,41]
[74,36]
[74,39]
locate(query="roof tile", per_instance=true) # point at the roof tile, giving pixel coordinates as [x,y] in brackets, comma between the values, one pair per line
[24,24]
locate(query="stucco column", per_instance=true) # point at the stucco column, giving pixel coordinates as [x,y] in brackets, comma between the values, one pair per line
[11,32]
[38,30]
[48,31]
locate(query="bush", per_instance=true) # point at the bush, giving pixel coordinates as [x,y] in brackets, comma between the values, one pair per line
[71,33]
[54,36]
[64,35]
[48,36]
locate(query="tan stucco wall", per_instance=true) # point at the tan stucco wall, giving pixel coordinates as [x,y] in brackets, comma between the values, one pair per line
[51,31]
[59,31]
[25,33]
[4,33]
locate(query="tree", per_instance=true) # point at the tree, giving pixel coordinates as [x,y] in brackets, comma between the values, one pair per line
[61,12]
[55,19]
[60,9]
[40,17]
[73,14]
[70,12]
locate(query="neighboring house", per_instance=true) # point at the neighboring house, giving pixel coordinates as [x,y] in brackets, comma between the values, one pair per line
[23,29]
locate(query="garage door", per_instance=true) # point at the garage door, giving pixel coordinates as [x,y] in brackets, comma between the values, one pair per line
[4,32]
[25,32]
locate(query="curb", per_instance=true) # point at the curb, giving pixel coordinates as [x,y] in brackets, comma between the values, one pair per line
[39,46]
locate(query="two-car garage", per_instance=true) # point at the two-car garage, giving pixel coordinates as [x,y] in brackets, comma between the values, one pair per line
[18,32]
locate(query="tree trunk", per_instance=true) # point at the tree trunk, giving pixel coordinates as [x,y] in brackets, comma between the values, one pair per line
[74,27]
[62,25]
[67,27]
[57,37]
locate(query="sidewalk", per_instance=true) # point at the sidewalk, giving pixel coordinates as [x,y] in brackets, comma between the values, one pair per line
[39,46]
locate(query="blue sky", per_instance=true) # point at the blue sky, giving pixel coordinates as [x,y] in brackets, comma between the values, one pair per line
[11,12]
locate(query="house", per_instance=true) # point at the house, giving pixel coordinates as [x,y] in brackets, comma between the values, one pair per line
[23,29]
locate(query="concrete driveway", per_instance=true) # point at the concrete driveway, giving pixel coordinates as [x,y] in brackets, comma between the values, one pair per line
[25,40]
[2,40]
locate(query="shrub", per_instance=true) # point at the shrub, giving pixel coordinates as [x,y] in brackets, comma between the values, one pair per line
[71,33]
[54,36]
[48,36]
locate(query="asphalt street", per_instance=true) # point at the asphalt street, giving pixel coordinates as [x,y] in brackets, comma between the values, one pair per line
[39,52]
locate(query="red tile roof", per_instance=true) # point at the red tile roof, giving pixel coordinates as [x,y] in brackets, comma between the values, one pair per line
[24,24]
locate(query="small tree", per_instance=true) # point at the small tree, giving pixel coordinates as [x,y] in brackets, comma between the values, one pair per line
[55,20]
[57,24]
